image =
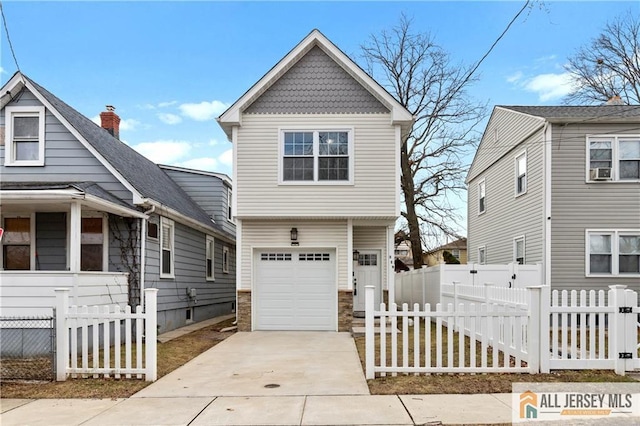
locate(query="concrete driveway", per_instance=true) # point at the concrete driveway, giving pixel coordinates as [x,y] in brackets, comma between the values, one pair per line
[269,363]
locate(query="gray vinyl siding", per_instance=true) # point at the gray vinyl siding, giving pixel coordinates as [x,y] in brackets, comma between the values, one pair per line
[506,216]
[577,206]
[66,159]
[216,297]
[316,84]
[209,192]
[312,234]
[375,185]
[51,241]
[512,128]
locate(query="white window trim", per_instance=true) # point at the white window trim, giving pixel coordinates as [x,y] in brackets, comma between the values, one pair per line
[316,129]
[482,184]
[483,249]
[524,249]
[225,259]
[212,241]
[10,113]
[615,160]
[171,224]
[615,252]
[32,240]
[105,236]
[517,175]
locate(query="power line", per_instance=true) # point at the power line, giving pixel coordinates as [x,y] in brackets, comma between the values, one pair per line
[6,28]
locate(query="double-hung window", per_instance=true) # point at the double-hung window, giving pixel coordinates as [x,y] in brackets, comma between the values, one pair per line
[17,244]
[521,174]
[24,136]
[482,255]
[613,158]
[481,197]
[167,248]
[519,250]
[225,259]
[317,156]
[613,252]
[93,244]
[229,205]
[210,257]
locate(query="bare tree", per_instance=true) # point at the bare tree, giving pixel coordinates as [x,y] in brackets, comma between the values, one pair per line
[609,66]
[421,76]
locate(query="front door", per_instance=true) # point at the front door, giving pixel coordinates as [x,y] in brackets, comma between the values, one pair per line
[366,272]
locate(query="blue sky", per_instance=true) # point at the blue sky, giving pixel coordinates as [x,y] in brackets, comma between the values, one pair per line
[170,68]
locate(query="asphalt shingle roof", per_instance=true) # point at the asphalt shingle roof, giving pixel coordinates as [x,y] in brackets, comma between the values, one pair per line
[144,175]
[560,113]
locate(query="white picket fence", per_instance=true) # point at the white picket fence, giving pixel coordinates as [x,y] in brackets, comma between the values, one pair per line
[83,339]
[511,330]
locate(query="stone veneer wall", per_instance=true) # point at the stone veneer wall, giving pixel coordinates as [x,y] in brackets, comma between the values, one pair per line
[244,310]
[345,310]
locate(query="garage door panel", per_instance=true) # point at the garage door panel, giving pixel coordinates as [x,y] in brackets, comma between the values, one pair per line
[295,290]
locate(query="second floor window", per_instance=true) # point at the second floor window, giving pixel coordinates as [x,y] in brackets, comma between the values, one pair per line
[614,158]
[317,156]
[521,173]
[481,197]
[24,136]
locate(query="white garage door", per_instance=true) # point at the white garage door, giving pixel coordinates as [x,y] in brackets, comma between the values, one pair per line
[295,289]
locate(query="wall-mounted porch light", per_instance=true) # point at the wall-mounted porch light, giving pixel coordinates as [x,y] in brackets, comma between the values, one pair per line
[294,237]
[356,255]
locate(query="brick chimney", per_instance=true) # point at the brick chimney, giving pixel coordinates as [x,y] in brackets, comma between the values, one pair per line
[110,121]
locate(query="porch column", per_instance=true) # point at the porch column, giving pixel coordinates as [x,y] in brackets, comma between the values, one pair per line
[391,284]
[74,237]
[75,231]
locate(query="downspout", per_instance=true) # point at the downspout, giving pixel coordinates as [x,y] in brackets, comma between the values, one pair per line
[143,252]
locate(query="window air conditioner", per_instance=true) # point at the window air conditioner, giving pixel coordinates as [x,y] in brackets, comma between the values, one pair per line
[601,173]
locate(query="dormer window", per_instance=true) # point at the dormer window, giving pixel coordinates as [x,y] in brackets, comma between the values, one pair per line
[24,136]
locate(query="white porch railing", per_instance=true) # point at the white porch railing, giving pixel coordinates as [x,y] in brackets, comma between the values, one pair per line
[31,293]
[81,330]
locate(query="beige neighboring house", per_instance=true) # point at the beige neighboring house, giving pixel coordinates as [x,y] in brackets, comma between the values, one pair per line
[404,254]
[457,248]
[316,163]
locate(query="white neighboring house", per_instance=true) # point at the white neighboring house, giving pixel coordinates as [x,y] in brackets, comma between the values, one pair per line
[316,154]
[559,186]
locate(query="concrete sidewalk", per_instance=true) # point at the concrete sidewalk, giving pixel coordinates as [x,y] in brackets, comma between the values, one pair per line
[263,410]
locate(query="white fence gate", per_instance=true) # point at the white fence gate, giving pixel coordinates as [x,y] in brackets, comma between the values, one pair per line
[499,330]
[426,284]
[93,326]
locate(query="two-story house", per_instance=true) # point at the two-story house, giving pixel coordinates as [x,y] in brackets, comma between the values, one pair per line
[316,153]
[83,210]
[559,185]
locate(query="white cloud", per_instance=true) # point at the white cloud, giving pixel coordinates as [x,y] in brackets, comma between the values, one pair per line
[3,71]
[204,163]
[129,124]
[213,142]
[549,87]
[204,110]
[169,118]
[514,78]
[164,151]
[166,104]
[226,157]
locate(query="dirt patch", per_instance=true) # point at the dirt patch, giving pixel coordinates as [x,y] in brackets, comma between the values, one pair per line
[171,355]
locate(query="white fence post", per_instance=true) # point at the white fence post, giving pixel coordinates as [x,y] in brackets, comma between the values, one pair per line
[631,329]
[369,292]
[544,324]
[616,327]
[62,333]
[151,334]
[534,337]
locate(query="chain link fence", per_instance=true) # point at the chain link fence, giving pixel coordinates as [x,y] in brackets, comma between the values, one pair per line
[27,348]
